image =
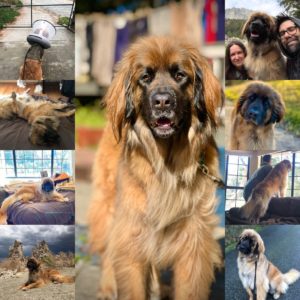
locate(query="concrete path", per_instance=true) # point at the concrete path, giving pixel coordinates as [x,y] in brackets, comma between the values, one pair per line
[282,249]
[58,61]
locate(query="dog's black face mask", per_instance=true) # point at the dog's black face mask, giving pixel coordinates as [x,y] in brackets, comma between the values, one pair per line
[47,185]
[247,245]
[258,31]
[32,265]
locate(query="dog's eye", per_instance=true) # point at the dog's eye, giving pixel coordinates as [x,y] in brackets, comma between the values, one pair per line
[179,76]
[146,78]
[252,97]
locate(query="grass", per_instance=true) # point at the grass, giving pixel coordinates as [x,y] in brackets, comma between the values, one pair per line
[64,21]
[290,92]
[90,116]
[7,15]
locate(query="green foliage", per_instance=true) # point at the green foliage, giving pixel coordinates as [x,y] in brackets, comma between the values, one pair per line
[90,116]
[7,15]
[290,92]
[292,7]
[64,21]
[234,27]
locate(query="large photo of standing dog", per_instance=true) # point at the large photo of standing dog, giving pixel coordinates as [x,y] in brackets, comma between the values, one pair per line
[156,173]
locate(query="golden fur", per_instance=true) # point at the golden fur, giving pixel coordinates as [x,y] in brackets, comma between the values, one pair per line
[31,69]
[274,183]
[247,134]
[39,276]
[152,207]
[268,277]
[264,60]
[32,192]
[42,115]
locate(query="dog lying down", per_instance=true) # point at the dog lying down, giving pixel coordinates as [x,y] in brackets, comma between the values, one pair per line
[42,115]
[38,192]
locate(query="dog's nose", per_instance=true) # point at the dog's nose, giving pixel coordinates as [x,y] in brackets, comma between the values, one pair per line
[253,112]
[162,101]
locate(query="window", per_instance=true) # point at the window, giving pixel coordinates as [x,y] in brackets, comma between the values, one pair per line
[237,172]
[30,163]
[277,158]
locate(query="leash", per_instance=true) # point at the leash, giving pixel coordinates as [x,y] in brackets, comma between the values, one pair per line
[204,169]
[254,289]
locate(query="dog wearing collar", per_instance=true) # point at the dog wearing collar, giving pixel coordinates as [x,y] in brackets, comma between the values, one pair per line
[258,275]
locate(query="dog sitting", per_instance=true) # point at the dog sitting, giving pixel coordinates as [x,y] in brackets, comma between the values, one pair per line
[43,192]
[32,66]
[42,115]
[39,276]
[257,272]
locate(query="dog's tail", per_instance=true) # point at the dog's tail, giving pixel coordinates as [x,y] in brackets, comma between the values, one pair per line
[291,276]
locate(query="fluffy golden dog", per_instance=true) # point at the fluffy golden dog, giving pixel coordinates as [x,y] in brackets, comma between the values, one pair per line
[42,115]
[42,192]
[39,276]
[32,66]
[254,116]
[264,60]
[274,183]
[153,203]
[268,278]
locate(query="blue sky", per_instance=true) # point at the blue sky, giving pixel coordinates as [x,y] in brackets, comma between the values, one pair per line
[268,6]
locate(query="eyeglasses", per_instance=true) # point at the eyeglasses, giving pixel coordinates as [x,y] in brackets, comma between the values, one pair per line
[290,31]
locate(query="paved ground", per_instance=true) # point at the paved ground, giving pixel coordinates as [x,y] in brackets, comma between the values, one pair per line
[282,249]
[9,289]
[284,139]
[58,61]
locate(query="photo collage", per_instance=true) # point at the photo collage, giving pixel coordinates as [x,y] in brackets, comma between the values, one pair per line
[149,150]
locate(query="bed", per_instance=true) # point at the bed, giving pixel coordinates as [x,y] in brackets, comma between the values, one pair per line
[43,213]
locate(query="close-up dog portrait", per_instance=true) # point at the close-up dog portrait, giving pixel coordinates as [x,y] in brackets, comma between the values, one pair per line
[156,173]
[264,59]
[253,118]
[258,275]
[275,183]
[39,276]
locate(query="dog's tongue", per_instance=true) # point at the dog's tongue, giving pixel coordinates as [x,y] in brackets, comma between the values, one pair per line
[253,34]
[163,122]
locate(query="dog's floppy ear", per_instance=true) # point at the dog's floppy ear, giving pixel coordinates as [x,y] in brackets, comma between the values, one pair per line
[278,108]
[119,99]
[246,27]
[208,93]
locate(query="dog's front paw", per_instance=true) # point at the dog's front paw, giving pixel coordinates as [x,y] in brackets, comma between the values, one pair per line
[24,288]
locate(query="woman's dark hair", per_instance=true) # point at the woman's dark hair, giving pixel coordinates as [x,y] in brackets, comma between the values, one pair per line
[230,69]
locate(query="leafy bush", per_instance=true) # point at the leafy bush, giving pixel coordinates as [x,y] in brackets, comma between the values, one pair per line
[7,15]
[64,21]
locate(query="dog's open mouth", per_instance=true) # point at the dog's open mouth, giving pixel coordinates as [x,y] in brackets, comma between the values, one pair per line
[164,127]
[254,34]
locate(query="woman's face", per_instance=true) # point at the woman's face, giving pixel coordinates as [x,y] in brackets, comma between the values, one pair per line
[237,56]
